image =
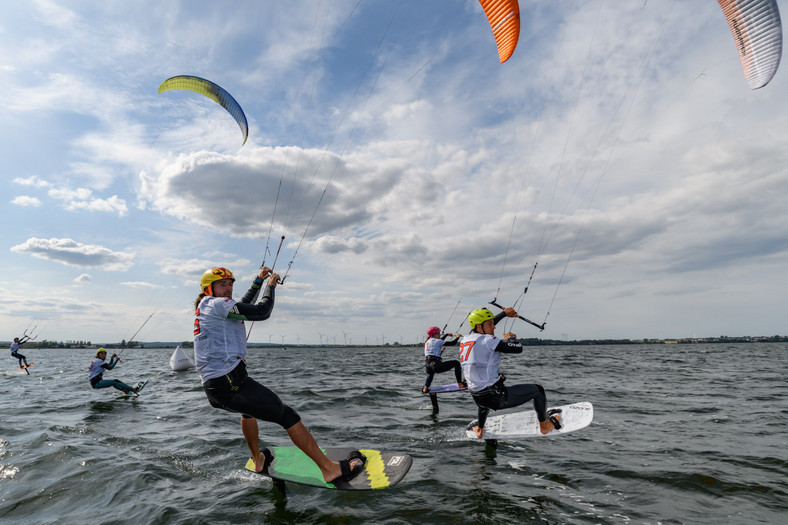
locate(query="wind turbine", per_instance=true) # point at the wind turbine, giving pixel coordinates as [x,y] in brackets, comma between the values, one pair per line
[321,338]
[345,334]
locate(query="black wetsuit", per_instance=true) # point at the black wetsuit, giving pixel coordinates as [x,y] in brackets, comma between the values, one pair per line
[435,364]
[499,396]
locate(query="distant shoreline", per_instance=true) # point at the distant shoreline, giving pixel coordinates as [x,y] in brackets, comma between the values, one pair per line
[525,341]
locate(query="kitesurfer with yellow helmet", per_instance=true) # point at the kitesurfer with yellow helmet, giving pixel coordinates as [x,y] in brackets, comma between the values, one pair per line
[480,353]
[99,365]
[219,355]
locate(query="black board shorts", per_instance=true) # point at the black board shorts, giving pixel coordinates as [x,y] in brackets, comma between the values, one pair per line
[237,392]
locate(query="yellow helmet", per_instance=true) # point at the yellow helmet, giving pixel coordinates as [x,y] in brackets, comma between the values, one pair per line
[100,350]
[211,276]
[479,316]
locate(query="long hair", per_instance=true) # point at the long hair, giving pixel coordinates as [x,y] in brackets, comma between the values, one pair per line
[197,302]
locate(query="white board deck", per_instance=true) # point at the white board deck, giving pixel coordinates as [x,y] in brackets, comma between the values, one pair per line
[141,385]
[451,387]
[526,425]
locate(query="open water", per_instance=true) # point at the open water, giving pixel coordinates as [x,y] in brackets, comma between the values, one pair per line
[682,434]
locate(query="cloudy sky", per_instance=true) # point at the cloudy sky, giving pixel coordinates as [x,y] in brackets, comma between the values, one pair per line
[620,148]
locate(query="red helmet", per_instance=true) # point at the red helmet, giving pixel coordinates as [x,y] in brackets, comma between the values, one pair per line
[433,331]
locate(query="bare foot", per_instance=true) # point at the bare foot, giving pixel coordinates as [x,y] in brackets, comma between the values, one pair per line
[478,431]
[547,426]
[259,462]
[425,390]
[335,471]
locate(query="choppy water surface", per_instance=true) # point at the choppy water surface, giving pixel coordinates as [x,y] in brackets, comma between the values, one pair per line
[682,434]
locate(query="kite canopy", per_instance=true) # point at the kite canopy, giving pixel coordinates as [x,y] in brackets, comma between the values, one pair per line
[213,91]
[504,17]
[758,33]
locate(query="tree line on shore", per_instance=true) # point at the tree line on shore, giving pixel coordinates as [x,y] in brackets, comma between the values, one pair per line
[533,341]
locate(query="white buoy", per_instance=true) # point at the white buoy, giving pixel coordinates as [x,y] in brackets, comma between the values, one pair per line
[180,361]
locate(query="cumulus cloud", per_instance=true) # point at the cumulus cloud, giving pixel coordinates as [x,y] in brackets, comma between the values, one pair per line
[196,267]
[67,194]
[111,205]
[34,181]
[73,253]
[83,278]
[333,244]
[26,200]
[140,285]
[236,195]
[82,199]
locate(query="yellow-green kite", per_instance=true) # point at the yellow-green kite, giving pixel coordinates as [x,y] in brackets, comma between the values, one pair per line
[214,92]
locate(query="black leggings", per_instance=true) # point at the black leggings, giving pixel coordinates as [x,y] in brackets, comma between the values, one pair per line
[20,357]
[237,392]
[499,396]
[436,366]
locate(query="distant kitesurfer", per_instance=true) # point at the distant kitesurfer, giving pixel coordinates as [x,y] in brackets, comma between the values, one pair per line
[219,356]
[434,364]
[14,353]
[96,373]
[480,353]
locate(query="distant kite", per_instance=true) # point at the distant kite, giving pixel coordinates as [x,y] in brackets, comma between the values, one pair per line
[504,17]
[758,33]
[212,91]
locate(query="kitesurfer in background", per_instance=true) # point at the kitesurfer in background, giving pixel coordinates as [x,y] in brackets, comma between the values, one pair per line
[15,353]
[96,373]
[219,356]
[480,353]
[433,348]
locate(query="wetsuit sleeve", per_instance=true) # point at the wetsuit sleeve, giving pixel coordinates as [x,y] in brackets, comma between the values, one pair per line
[498,317]
[254,312]
[251,294]
[451,343]
[506,347]
[110,365]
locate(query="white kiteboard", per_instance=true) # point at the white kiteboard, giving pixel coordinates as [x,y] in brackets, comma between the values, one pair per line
[525,424]
[451,387]
[180,361]
[139,388]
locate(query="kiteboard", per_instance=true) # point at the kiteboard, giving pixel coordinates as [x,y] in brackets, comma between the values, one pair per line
[381,470]
[21,370]
[451,387]
[139,388]
[525,424]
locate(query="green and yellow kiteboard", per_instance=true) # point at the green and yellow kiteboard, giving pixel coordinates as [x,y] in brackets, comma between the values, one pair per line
[381,470]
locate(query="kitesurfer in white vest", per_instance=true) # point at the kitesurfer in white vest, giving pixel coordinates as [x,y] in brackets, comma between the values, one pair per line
[15,353]
[480,353]
[434,364]
[219,356]
[96,373]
